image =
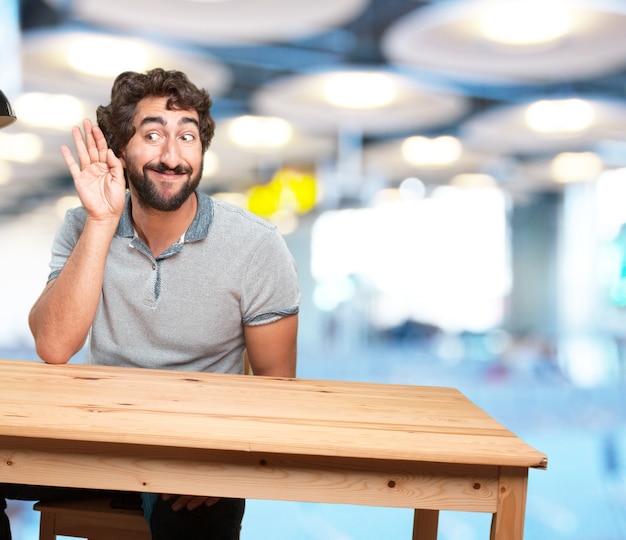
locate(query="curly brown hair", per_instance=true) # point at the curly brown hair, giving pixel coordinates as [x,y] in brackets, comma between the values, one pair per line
[129,88]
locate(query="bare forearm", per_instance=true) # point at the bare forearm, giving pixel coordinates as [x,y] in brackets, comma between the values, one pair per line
[61,317]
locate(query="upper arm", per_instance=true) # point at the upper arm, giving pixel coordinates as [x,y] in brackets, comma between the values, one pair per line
[272,347]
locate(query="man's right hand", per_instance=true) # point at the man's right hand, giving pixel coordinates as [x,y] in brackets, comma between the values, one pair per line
[99,174]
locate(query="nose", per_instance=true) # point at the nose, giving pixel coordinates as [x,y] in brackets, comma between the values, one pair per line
[171,153]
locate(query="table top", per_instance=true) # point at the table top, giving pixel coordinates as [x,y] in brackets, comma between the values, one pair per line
[76,402]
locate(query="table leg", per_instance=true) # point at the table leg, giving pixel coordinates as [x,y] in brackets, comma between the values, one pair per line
[508,521]
[425,524]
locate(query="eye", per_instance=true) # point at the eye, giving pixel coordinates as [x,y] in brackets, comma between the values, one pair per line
[188,137]
[152,136]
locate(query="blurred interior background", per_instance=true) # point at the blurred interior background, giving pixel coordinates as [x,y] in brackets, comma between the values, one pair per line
[449,175]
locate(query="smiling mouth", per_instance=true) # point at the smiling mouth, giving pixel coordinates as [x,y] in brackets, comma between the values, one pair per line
[168,171]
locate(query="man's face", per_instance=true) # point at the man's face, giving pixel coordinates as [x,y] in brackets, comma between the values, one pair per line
[163,159]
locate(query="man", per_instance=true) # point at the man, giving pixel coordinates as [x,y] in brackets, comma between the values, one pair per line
[158,274]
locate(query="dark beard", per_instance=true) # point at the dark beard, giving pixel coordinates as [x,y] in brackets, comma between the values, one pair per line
[148,196]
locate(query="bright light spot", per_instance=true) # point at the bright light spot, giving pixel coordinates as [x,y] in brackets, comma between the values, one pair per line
[286,221]
[296,190]
[388,311]
[525,22]
[576,167]
[64,204]
[588,361]
[5,173]
[560,116]
[210,164]
[440,151]
[290,190]
[262,200]
[20,147]
[236,199]
[442,261]
[412,188]
[473,181]
[58,111]
[106,56]
[359,90]
[260,131]
[330,293]
[388,195]
[610,197]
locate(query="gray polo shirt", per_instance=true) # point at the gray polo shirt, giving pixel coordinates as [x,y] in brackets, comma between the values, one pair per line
[186,309]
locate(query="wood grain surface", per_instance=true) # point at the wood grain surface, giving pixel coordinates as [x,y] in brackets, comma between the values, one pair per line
[253,414]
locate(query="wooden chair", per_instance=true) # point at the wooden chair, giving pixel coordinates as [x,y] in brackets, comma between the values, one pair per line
[95,519]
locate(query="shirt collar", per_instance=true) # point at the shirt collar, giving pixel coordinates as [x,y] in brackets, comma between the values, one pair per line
[198,230]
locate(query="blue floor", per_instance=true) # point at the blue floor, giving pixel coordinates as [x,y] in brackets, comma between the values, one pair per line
[582,495]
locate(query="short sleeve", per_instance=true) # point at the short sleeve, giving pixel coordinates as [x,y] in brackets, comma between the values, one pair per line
[270,284]
[66,239]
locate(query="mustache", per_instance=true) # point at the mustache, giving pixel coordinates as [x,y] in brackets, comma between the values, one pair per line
[162,168]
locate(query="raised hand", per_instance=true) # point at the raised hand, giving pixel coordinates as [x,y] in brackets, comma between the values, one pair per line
[98,175]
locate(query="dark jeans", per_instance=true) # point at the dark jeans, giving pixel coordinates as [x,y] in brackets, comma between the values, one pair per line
[222,521]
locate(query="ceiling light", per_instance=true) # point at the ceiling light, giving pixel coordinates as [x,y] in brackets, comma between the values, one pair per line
[359,90]
[57,111]
[437,152]
[20,147]
[525,22]
[473,181]
[260,131]
[105,56]
[560,116]
[576,167]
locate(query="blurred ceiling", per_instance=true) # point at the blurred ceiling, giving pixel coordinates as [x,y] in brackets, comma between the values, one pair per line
[274,58]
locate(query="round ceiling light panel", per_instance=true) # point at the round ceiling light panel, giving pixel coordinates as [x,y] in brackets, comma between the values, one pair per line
[546,40]
[370,101]
[221,22]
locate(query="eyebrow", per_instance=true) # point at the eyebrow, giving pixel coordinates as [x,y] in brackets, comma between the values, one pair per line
[161,120]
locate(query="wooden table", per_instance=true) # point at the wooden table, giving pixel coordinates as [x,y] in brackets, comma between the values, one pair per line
[425,448]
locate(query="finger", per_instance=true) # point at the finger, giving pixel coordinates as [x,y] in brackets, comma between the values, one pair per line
[190,502]
[81,149]
[90,141]
[194,502]
[181,502]
[197,502]
[101,143]
[70,161]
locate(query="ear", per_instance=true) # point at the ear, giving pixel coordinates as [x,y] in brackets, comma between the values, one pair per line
[122,158]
